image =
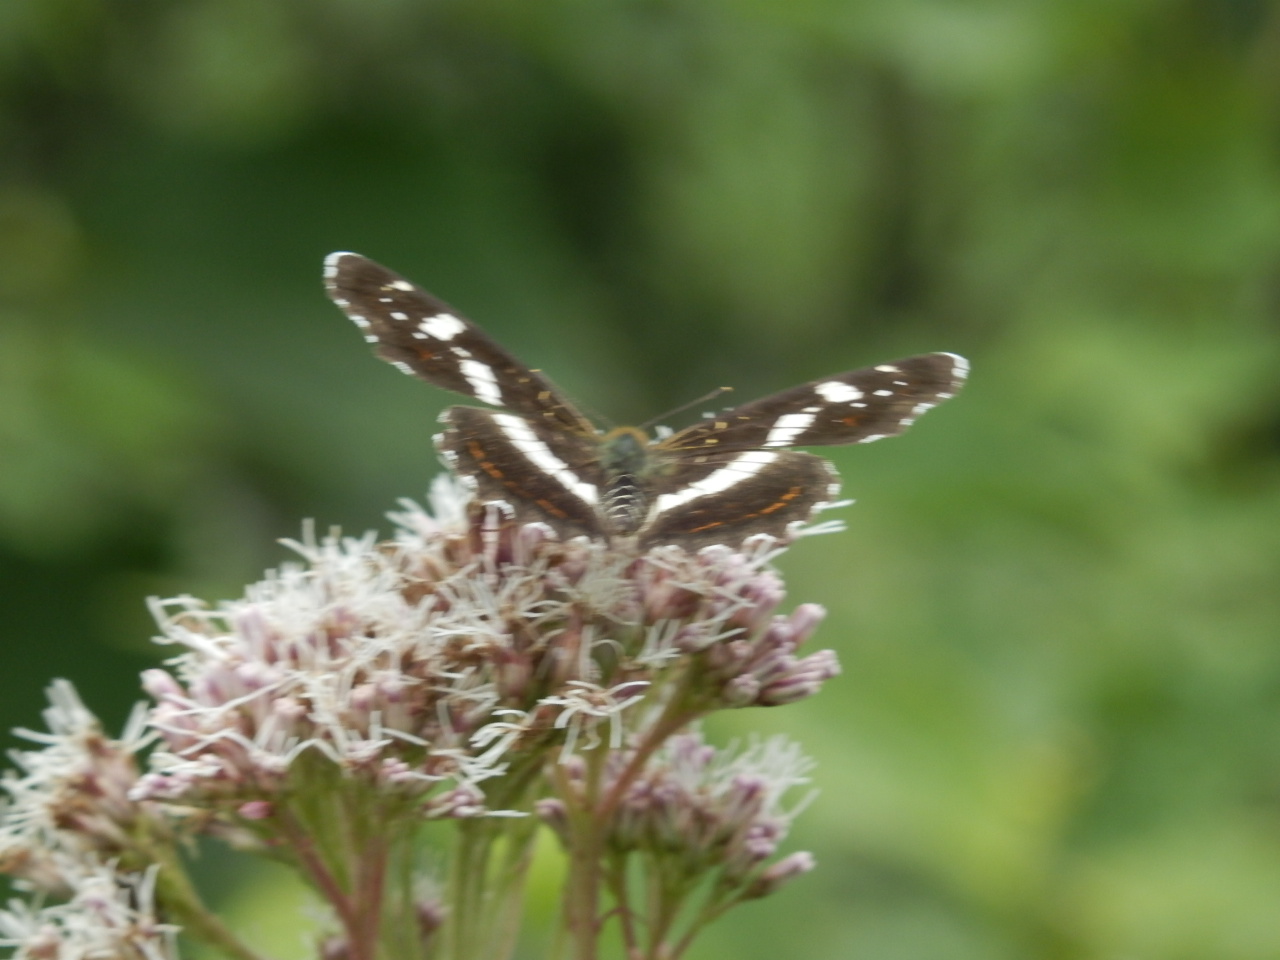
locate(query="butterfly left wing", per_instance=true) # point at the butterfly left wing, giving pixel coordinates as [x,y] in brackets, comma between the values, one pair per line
[855,407]
[425,337]
[731,476]
[718,499]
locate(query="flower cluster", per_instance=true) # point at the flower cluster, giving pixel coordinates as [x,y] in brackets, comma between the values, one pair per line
[466,670]
[70,830]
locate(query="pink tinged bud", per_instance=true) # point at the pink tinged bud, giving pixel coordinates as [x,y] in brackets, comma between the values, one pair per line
[397,772]
[665,600]
[730,656]
[256,810]
[160,685]
[392,689]
[255,675]
[289,709]
[555,815]
[513,671]
[363,699]
[695,637]
[779,638]
[805,620]
[803,679]
[460,803]
[574,767]
[764,593]
[45,944]
[431,916]
[780,873]
[745,800]
[529,539]
[740,691]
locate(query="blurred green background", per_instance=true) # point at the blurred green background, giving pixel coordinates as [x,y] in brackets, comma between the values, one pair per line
[1058,731]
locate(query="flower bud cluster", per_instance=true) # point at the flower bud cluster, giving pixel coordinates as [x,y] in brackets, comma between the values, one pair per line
[71,802]
[467,668]
[70,832]
[696,809]
[441,657]
[104,917]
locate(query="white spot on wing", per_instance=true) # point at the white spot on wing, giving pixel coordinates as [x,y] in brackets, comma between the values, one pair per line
[833,391]
[961,369]
[483,382]
[539,454]
[888,368]
[789,426]
[732,473]
[397,315]
[871,438]
[402,367]
[443,326]
[884,393]
[402,285]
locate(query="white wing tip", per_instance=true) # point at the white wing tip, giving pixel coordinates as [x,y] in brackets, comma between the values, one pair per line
[332,260]
[961,369]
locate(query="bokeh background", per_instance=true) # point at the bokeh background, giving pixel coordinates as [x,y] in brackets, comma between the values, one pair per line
[1057,603]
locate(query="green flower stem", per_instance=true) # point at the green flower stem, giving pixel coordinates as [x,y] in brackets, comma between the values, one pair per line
[175,891]
[582,886]
[521,837]
[304,850]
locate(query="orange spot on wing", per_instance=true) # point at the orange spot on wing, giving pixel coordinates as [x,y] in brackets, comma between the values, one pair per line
[488,466]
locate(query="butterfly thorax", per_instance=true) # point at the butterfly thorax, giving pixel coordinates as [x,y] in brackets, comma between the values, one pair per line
[625,462]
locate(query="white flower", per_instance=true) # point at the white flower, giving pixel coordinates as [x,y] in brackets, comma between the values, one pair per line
[110,916]
[72,796]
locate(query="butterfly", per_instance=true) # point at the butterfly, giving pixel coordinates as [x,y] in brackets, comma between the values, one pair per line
[723,480]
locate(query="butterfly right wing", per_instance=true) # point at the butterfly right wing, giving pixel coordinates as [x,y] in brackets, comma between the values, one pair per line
[425,337]
[536,472]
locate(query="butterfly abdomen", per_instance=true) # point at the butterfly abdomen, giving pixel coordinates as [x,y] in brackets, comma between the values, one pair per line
[624,463]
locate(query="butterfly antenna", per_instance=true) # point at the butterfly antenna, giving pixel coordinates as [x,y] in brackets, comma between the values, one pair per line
[717,392]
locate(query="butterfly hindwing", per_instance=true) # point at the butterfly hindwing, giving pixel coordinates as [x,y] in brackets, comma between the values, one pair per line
[727,499]
[537,472]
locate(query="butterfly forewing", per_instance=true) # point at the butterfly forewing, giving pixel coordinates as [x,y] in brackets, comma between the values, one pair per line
[854,407]
[427,338]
